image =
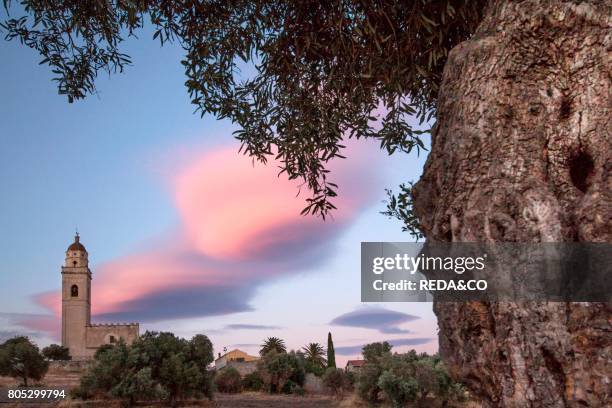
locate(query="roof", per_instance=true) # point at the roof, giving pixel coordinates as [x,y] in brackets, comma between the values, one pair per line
[238,351]
[355,363]
[76,245]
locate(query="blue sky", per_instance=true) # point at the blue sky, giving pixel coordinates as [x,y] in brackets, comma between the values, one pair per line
[103,164]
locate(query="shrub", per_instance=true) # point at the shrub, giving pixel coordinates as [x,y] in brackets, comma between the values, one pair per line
[402,378]
[20,358]
[289,387]
[81,392]
[228,380]
[398,390]
[252,382]
[139,386]
[56,352]
[367,384]
[374,351]
[297,363]
[350,376]
[276,369]
[102,349]
[337,381]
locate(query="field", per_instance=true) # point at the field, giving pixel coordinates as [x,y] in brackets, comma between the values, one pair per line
[68,377]
[258,400]
[244,400]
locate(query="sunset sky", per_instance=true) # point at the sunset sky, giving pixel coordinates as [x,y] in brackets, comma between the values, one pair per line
[184,233]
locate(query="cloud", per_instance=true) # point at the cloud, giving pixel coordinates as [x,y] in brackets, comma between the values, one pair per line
[409,342]
[40,327]
[9,334]
[181,303]
[11,316]
[232,209]
[381,319]
[240,227]
[354,350]
[394,330]
[348,350]
[242,326]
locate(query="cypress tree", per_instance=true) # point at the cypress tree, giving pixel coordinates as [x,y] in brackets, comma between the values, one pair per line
[331,354]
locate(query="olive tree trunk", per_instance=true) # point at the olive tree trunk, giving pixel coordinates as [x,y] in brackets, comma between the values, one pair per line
[522,153]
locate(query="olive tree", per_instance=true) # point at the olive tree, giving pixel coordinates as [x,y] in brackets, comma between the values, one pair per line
[56,352]
[156,366]
[20,358]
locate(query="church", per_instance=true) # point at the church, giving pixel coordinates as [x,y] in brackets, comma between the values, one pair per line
[79,335]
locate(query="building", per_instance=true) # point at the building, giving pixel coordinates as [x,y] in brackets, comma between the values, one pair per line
[354,365]
[78,333]
[234,358]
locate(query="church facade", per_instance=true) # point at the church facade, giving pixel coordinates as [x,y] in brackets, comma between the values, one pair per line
[79,335]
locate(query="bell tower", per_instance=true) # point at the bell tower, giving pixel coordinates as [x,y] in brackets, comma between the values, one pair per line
[76,299]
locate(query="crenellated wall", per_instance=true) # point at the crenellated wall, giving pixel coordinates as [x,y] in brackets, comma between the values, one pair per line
[100,334]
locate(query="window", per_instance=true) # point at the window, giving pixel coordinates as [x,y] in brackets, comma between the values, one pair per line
[74,263]
[111,339]
[74,291]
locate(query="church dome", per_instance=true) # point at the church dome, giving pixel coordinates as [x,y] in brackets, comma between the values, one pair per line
[76,245]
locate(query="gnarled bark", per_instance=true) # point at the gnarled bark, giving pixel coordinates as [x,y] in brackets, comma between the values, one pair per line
[522,153]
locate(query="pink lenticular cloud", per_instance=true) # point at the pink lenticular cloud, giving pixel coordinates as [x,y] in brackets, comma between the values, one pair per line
[240,226]
[224,202]
[232,208]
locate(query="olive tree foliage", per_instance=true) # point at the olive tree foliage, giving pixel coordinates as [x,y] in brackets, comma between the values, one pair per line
[374,354]
[21,359]
[337,381]
[403,378]
[156,366]
[252,382]
[419,378]
[228,380]
[321,69]
[56,352]
[400,207]
[281,372]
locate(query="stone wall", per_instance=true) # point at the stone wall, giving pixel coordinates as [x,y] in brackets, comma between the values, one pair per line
[100,334]
[314,384]
[69,366]
[243,367]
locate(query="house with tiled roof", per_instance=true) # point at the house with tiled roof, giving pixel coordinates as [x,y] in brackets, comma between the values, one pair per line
[354,365]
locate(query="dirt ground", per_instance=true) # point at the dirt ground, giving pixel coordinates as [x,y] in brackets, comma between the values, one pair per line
[56,377]
[244,400]
[258,400]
